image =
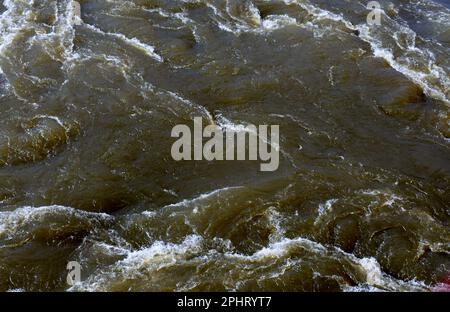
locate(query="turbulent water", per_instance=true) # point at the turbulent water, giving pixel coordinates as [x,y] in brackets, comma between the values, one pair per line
[360,202]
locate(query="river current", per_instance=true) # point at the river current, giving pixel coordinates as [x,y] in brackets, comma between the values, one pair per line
[361,198]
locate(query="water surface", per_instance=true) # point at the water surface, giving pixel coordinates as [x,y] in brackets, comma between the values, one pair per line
[361,201]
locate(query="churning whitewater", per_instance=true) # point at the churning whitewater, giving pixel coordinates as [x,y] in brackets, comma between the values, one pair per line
[358,200]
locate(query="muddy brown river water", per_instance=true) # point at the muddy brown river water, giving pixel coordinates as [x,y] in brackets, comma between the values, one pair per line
[361,197]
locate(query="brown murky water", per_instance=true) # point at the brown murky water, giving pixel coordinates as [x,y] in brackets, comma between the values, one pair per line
[360,202]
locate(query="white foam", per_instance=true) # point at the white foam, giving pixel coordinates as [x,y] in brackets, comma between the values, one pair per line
[274,22]
[279,249]
[227,125]
[252,23]
[202,197]
[160,255]
[16,16]
[420,78]
[12,221]
[368,34]
[275,220]
[111,249]
[16,290]
[19,16]
[146,48]
[193,105]
[324,208]
[12,21]
[181,16]
[156,257]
